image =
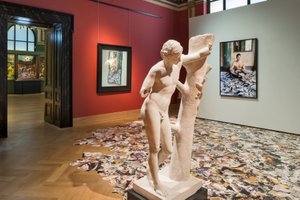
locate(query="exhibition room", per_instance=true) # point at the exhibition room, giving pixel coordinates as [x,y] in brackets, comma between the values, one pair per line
[149,99]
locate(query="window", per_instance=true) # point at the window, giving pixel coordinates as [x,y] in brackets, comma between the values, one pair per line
[20,38]
[216,6]
[220,5]
[235,3]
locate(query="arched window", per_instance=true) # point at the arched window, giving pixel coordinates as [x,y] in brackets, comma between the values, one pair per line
[20,38]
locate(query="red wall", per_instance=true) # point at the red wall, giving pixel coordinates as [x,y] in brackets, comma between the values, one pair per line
[200,9]
[95,23]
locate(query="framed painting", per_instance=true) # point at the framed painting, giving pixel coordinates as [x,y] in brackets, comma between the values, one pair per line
[238,68]
[114,68]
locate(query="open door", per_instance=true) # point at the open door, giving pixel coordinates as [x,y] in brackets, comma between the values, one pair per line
[50,40]
[53,76]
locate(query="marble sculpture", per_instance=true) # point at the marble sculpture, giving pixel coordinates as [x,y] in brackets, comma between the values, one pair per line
[157,89]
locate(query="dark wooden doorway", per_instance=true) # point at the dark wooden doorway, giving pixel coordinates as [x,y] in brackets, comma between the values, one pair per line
[58,89]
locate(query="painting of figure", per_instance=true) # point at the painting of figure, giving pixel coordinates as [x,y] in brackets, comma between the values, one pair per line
[238,68]
[114,64]
[114,68]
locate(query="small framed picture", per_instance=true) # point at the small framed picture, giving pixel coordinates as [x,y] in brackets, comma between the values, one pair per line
[114,68]
[238,68]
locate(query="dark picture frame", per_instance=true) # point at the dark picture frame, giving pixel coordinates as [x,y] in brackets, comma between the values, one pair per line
[238,68]
[114,68]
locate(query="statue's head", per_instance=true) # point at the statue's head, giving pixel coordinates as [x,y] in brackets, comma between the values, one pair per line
[171,48]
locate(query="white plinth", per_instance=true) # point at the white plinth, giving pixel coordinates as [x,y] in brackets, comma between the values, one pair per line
[179,190]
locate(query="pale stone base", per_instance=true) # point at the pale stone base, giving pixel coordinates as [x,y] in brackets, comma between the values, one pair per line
[179,190]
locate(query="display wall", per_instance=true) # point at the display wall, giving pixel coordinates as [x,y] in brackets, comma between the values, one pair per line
[275,24]
[95,23]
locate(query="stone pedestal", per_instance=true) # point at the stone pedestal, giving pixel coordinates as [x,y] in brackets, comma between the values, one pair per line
[201,194]
[178,190]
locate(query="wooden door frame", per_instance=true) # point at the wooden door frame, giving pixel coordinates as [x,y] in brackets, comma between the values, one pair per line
[38,15]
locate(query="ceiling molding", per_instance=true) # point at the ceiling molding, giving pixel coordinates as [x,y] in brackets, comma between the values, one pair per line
[124,8]
[170,4]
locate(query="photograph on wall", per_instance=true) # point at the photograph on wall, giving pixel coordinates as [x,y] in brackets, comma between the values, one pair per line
[238,68]
[114,68]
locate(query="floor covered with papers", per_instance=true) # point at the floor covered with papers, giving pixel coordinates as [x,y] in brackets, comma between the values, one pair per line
[234,161]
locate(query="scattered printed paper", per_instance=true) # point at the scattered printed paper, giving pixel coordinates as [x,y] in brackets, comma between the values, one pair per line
[235,162]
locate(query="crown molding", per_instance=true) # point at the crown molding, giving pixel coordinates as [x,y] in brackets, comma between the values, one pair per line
[168,4]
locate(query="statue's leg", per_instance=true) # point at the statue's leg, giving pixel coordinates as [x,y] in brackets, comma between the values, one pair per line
[166,140]
[152,120]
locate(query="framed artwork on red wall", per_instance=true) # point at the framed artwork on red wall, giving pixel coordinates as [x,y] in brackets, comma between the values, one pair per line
[114,68]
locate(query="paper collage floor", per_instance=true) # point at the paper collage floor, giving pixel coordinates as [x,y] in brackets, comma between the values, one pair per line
[235,162]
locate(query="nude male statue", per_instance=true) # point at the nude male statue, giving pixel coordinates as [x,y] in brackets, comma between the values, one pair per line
[157,89]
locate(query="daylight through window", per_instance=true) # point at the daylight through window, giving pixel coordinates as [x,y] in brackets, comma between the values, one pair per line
[20,38]
[220,5]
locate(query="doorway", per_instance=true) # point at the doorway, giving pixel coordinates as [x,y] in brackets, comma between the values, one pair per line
[26,69]
[58,79]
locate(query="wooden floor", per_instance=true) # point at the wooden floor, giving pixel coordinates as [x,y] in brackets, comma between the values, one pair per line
[35,158]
